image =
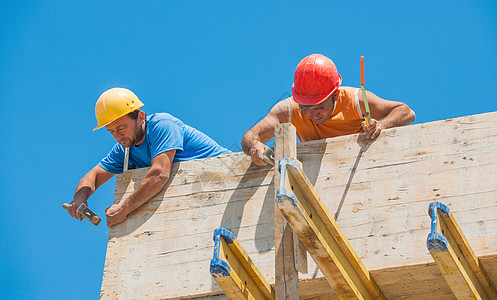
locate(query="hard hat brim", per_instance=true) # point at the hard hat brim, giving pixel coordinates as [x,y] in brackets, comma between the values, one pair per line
[116,118]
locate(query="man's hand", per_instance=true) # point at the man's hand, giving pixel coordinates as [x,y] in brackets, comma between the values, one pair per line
[73,208]
[257,153]
[384,114]
[254,139]
[115,214]
[374,129]
[86,186]
[156,178]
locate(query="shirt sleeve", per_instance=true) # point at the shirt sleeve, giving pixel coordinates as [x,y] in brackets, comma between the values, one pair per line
[114,161]
[166,135]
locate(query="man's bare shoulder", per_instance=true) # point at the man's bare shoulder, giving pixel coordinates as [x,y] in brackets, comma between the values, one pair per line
[282,109]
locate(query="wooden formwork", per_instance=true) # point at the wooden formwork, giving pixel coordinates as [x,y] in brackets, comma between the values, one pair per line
[378,192]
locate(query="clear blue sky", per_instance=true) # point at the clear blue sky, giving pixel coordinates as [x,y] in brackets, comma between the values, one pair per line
[219,68]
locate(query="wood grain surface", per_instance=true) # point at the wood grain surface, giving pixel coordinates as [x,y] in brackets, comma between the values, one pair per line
[377,191]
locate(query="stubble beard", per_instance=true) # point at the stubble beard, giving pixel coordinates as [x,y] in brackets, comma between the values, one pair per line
[328,115]
[129,142]
[322,120]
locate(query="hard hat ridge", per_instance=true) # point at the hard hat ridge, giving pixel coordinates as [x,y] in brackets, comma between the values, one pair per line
[316,78]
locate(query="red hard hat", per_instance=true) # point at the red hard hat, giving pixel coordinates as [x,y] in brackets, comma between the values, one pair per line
[316,78]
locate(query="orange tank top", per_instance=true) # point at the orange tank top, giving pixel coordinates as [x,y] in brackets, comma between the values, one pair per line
[345,119]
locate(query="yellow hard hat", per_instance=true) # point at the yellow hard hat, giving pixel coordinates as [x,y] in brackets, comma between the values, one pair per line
[113,104]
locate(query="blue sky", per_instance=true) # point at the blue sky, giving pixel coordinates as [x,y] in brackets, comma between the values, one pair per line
[219,68]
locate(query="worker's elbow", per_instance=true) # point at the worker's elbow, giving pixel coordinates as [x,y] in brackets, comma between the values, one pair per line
[412,116]
[246,142]
[162,177]
[159,182]
[406,116]
[159,176]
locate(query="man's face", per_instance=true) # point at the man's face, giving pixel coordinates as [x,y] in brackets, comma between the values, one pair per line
[321,112]
[127,132]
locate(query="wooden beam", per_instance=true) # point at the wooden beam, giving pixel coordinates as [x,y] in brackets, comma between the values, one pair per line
[451,251]
[317,230]
[286,254]
[234,271]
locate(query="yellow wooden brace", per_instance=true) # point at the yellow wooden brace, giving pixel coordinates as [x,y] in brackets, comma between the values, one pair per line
[234,271]
[299,202]
[455,258]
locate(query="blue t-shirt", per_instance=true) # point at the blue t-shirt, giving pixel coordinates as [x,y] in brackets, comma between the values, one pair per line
[164,133]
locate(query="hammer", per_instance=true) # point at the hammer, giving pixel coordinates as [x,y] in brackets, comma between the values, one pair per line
[84,211]
[268,156]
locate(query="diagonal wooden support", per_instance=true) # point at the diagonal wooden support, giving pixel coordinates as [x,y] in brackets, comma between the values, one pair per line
[234,271]
[455,258]
[301,206]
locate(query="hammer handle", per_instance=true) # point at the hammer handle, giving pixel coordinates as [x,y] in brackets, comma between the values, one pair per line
[362,70]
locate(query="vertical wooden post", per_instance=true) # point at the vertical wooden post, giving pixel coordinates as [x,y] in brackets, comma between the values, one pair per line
[286,275]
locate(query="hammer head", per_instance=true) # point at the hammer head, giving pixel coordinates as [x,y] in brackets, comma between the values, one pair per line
[84,211]
[268,156]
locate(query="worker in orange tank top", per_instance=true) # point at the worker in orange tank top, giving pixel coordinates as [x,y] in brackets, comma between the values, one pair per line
[319,108]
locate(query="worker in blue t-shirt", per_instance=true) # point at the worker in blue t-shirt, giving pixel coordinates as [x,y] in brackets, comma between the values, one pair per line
[154,141]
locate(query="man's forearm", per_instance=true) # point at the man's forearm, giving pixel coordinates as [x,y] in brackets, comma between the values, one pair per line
[149,187]
[83,193]
[85,188]
[399,116]
[246,144]
[263,131]
[249,138]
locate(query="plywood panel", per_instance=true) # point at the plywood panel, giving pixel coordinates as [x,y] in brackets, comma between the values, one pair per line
[379,193]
